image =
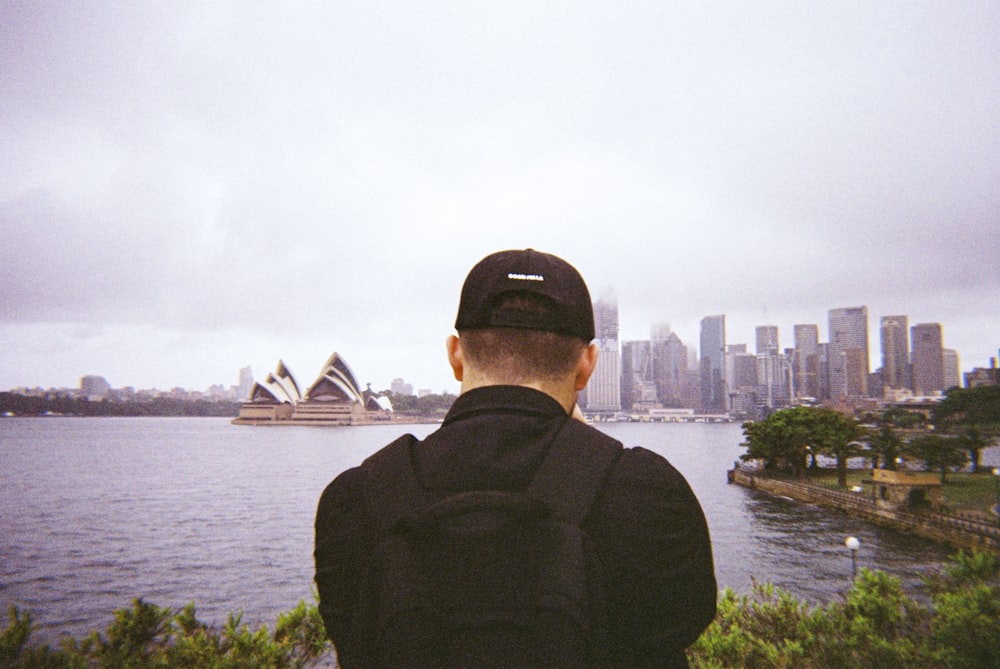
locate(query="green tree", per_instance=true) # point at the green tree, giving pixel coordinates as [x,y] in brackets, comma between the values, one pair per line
[970,413]
[780,440]
[886,446]
[938,453]
[902,418]
[785,439]
[838,437]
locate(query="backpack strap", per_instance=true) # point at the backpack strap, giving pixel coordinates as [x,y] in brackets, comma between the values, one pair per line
[568,480]
[574,470]
[391,487]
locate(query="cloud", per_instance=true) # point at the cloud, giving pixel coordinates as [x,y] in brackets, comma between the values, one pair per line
[222,178]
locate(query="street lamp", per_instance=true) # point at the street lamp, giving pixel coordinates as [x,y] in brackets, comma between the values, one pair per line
[853,544]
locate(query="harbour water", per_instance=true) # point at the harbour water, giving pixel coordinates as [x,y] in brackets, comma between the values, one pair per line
[97,511]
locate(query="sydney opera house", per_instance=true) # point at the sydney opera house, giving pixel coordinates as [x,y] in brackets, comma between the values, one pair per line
[332,399]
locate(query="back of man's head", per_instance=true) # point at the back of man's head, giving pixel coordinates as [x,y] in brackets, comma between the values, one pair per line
[524,316]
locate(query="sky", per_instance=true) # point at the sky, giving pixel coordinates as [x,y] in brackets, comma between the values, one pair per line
[188,188]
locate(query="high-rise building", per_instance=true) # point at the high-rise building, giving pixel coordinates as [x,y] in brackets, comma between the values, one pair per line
[670,366]
[246,383]
[638,383]
[895,335]
[952,371]
[848,330]
[713,371]
[927,358]
[741,380]
[604,388]
[767,339]
[805,360]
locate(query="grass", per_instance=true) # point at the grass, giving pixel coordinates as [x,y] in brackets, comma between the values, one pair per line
[962,491]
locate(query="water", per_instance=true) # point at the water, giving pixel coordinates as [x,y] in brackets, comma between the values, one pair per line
[97,511]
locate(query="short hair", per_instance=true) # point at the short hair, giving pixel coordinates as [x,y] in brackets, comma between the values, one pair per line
[515,355]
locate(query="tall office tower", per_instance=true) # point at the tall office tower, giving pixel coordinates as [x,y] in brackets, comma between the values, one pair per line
[767,339]
[805,360]
[713,371]
[741,380]
[670,365]
[246,383]
[848,330]
[773,376]
[638,384]
[952,371]
[895,334]
[604,389]
[822,371]
[927,358]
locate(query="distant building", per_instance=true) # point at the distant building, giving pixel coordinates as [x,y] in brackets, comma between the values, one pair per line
[400,387]
[805,360]
[670,370]
[741,380]
[94,387]
[638,385]
[848,330]
[895,336]
[713,370]
[952,371]
[983,376]
[604,388]
[767,339]
[332,399]
[927,358]
[245,384]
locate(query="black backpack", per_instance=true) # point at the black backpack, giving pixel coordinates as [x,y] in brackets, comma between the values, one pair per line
[488,578]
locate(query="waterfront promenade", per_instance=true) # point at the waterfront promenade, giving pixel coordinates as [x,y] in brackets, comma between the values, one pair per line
[961,530]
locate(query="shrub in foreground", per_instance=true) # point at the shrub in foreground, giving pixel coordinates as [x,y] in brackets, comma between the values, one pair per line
[147,635]
[875,625]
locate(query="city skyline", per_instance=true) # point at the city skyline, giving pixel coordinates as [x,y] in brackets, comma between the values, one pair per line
[188,189]
[608,334]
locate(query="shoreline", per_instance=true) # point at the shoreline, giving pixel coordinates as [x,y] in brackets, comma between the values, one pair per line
[959,532]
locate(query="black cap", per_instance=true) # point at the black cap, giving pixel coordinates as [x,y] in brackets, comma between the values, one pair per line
[526,271]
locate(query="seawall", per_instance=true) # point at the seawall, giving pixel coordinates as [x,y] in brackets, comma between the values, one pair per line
[957,531]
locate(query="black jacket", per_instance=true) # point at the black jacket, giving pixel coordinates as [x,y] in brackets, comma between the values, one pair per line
[646,524]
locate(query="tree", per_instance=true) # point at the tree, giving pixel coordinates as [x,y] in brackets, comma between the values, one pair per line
[837,436]
[780,440]
[938,453]
[902,418]
[786,438]
[973,442]
[886,446]
[978,406]
[970,412]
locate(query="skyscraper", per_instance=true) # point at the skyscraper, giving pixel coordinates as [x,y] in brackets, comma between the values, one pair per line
[713,370]
[604,389]
[806,360]
[246,383]
[767,339]
[848,330]
[927,358]
[895,335]
[952,371]
[670,366]
[638,384]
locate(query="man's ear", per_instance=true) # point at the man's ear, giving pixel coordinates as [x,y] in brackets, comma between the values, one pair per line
[455,356]
[585,366]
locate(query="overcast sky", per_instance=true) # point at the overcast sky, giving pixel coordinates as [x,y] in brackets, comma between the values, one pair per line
[187,188]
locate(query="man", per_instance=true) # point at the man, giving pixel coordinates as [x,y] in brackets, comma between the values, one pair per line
[522,354]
